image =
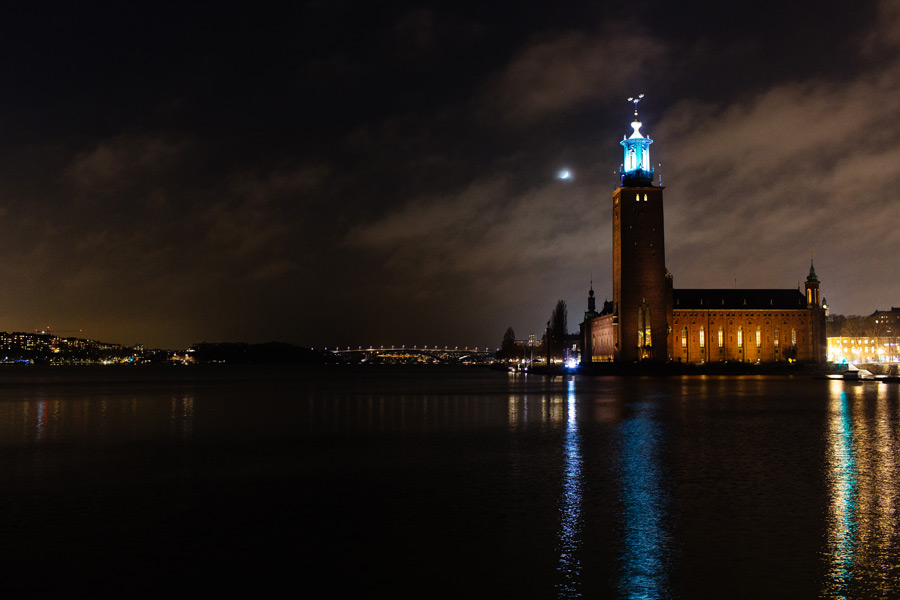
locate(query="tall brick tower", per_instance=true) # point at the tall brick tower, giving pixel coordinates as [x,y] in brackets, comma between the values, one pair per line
[642,291]
[817,335]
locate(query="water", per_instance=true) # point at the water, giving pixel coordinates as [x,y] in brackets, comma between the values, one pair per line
[435,482]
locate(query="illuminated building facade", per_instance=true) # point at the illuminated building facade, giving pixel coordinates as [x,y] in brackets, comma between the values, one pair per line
[649,320]
[864,349]
[871,339]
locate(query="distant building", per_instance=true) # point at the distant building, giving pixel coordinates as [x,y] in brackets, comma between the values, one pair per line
[17,347]
[864,350]
[872,339]
[647,319]
[887,321]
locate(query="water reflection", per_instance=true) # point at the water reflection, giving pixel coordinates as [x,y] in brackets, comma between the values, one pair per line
[182,417]
[862,456]
[46,420]
[570,509]
[40,421]
[644,568]
[843,509]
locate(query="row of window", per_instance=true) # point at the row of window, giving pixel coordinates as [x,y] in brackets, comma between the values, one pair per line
[742,313]
[740,337]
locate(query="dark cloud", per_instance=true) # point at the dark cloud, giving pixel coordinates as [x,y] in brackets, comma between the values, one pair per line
[566,71]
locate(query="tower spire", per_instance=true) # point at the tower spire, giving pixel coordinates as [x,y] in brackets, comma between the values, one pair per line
[812,270]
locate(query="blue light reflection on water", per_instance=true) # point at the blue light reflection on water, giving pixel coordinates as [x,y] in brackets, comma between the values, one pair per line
[644,561]
[844,507]
[570,509]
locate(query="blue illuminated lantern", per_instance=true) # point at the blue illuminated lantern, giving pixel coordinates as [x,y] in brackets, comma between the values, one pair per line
[636,170]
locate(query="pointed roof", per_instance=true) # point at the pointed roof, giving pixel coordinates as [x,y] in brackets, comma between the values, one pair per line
[812,272]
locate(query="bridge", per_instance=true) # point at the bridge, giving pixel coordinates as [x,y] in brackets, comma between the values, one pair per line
[414,355]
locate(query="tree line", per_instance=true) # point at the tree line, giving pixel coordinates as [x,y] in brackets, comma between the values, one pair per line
[881,324]
[553,342]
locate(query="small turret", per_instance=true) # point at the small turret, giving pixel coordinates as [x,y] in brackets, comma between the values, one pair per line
[812,287]
[592,305]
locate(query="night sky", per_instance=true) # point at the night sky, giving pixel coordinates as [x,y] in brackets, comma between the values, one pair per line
[344,173]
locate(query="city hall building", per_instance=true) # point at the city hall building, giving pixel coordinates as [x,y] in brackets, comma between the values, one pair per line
[649,320]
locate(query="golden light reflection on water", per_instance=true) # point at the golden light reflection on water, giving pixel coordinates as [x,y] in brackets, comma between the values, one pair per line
[182,417]
[862,446]
[47,420]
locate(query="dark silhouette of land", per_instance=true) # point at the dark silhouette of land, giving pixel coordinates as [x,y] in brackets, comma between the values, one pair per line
[267,353]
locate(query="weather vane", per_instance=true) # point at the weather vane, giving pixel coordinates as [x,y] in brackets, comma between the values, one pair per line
[636,100]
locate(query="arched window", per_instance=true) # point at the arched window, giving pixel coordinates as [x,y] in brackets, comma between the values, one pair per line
[721,338]
[758,337]
[702,337]
[640,328]
[740,337]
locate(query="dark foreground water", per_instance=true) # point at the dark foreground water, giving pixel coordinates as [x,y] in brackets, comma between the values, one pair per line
[446,482]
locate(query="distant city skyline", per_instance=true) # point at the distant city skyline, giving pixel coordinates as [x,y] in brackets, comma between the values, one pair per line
[334,174]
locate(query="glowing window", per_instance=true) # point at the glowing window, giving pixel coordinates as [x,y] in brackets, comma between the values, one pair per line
[740,337]
[758,338]
[684,334]
[721,338]
[640,328]
[702,338]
